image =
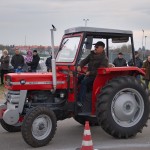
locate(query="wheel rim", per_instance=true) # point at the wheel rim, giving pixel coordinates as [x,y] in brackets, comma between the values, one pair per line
[41,127]
[127,107]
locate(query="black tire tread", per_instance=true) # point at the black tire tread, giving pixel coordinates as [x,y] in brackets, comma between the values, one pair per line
[27,125]
[103,106]
[10,128]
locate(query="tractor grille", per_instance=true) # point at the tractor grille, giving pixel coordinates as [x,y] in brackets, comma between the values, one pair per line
[13,97]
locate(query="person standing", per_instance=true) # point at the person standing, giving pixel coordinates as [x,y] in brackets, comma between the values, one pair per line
[35,61]
[48,63]
[96,59]
[146,65]
[138,61]
[28,59]
[4,64]
[17,61]
[120,61]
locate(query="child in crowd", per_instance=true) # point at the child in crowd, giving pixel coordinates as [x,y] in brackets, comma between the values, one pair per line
[28,59]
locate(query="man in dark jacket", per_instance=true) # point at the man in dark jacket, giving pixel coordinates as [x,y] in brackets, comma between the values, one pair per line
[138,61]
[120,61]
[146,65]
[4,64]
[48,64]
[17,60]
[96,59]
[35,61]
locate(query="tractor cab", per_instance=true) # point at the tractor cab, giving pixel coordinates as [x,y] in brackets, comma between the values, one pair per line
[77,44]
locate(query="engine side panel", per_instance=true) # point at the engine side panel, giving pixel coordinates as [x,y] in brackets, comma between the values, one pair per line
[34,81]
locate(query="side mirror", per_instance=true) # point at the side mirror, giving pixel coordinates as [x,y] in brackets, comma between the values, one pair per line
[89,41]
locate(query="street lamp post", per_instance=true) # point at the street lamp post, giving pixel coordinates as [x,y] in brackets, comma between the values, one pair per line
[144,48]
[85,21]
[142,39]
[142,44]
[145,42]
[25,40]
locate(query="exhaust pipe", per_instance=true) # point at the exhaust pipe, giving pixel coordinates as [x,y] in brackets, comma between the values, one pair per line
[53,59]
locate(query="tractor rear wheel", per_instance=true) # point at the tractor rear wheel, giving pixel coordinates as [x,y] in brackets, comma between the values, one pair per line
[39,126]
[123,107]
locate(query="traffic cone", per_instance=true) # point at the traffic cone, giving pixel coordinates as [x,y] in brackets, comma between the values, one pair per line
[87,143]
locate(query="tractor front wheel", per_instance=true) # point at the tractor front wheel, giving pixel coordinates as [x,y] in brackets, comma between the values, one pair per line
[10,128]
[39,126]
[123,107]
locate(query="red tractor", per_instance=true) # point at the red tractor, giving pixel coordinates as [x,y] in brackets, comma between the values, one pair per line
[117,101]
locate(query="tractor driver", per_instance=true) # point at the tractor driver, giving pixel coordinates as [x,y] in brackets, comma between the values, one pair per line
[96,59]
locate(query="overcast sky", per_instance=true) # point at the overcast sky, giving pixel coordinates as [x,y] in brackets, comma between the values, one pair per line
[33,18]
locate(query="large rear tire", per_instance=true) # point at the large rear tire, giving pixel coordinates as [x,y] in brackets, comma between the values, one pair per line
[10,128]
[123,107]
[39,126]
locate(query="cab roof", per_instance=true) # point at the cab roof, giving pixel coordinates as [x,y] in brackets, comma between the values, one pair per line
[97,30]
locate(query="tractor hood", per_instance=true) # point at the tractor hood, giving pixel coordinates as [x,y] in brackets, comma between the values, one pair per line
[34,81]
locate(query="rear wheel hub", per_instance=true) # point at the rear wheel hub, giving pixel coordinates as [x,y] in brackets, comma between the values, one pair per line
[127,107]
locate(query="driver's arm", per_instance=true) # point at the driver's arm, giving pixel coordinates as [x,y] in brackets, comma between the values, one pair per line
[83,63]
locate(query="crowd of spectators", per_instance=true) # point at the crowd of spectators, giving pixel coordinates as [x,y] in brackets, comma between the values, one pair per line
[20,63]
[27,63]
[30,62]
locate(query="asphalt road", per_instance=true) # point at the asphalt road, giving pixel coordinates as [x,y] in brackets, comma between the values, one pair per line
[69,137]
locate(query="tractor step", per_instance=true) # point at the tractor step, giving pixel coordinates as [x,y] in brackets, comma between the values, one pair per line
[86,114]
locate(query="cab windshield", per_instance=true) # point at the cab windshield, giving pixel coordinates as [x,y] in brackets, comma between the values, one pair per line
[68,49]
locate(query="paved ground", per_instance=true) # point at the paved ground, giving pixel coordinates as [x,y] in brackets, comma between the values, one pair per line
[69,137]
[2,91]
